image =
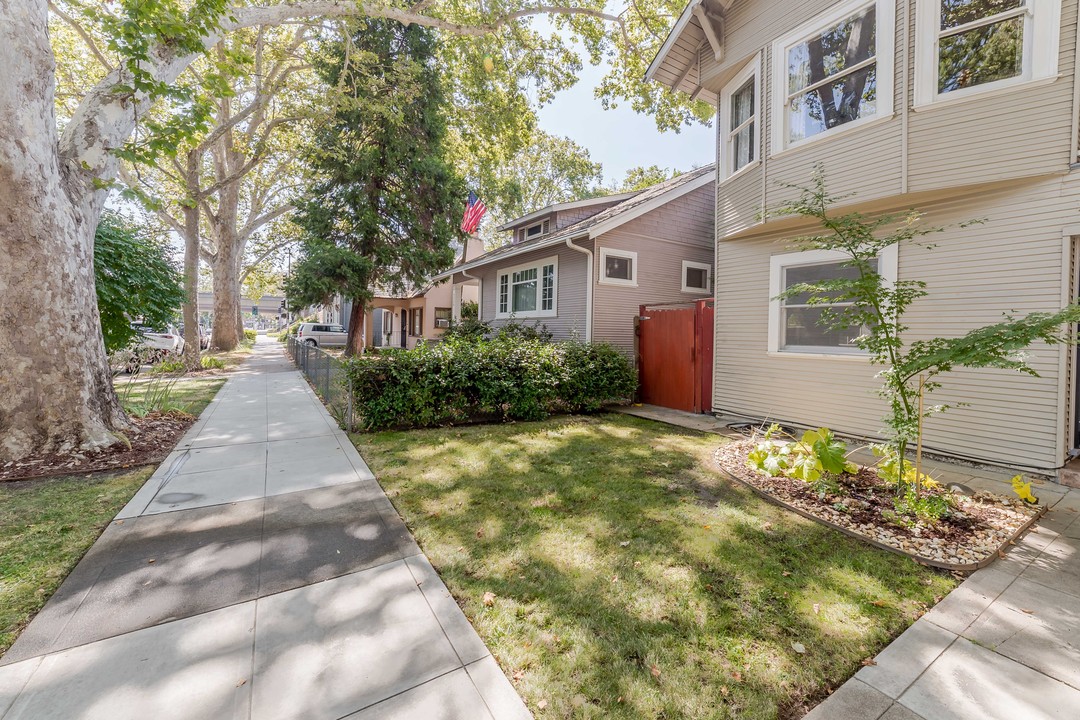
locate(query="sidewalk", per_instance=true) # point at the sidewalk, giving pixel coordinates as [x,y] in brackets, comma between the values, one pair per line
[260,573]
[1004,645]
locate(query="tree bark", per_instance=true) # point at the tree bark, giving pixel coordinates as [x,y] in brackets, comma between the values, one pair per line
[354,342]
[56,385]
[226,298]
[192,346]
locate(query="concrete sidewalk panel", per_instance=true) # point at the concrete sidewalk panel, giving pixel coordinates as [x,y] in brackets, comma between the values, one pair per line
[330,649]
[499,695]
[905,658]
[173,587]
[449,697]
[192,668]
[212,487]
[463,637]
[969,682]
[223,458]
[316,472]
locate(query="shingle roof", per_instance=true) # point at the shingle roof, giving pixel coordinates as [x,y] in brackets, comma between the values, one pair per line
[583,227]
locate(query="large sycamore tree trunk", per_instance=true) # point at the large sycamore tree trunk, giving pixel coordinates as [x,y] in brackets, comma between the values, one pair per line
[55,389]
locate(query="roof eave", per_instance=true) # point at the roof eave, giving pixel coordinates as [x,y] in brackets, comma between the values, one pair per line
[559,207]
[671,39]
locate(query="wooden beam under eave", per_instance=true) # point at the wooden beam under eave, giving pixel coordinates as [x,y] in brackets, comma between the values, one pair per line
[689,66]
[710,32]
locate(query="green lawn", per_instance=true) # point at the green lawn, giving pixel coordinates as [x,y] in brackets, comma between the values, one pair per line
[163,392]
[631,580]
[45,527]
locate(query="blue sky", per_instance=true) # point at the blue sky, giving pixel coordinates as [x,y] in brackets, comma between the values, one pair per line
[620,138]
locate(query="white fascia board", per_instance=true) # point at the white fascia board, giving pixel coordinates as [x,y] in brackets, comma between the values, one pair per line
[672,37]
[558,239]
[658,201]
[562,207]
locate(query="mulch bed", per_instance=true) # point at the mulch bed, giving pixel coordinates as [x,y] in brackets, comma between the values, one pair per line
[971,536]
[152,438]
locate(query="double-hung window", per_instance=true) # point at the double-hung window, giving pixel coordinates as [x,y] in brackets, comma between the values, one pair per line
[795,325]
[970,46]
[528,291]
[739,121]
[834,72]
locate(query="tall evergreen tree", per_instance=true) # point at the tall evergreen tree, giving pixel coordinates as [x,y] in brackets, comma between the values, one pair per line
[386,203]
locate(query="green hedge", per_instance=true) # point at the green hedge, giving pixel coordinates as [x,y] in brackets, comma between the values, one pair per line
[502,379]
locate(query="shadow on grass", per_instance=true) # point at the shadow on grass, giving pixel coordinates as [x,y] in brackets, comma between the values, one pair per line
[631,580]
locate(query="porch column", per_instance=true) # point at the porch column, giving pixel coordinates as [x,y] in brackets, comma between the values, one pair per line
[455,302]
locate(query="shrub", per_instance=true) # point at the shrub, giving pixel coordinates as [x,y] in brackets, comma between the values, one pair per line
[250,335]
[212,363]
[169,365]
[503,379]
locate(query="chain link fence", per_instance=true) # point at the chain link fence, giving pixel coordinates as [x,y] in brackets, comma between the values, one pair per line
[326,374]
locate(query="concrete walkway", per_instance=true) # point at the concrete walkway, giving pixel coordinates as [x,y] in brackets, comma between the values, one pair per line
[1005,645]
[260,573]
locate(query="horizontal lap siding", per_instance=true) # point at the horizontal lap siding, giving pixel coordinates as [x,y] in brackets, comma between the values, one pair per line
[570,291]
[680,230]
[1011,263]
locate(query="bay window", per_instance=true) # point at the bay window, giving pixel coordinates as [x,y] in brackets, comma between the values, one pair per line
[834,72]
[964,47]
[528,291]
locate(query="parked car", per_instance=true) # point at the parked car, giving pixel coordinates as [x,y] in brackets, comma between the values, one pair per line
[204,336]
[319,334]
[167,338]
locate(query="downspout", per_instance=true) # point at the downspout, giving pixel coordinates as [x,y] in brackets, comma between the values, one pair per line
[588,287]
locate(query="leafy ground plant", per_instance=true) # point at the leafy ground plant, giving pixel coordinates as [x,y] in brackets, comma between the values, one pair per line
[45,528]
[627,579]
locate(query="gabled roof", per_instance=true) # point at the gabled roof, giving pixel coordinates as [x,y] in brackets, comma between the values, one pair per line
[677,64]
[562,207]
[604,221]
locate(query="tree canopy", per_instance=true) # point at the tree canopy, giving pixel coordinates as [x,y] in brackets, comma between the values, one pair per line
[135,279]
[386,201]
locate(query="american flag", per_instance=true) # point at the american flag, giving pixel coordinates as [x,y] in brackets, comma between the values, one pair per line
[474,210]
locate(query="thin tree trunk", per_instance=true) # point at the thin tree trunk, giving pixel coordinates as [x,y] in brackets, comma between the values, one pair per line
[191,277]
[56,386]
[354,343]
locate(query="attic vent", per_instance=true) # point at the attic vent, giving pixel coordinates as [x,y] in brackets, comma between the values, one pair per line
[521,235]
[545,229]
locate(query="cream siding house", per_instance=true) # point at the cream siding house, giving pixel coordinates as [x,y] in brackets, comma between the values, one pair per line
[879,95]
[582,268]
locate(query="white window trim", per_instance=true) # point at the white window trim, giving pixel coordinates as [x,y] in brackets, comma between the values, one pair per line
[752,69]
[888,262]
[614,252]
[1042,30]
[686,265]
[885,55]
[534,225]
[539,266]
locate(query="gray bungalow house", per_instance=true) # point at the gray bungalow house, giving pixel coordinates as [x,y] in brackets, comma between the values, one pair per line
[582,268]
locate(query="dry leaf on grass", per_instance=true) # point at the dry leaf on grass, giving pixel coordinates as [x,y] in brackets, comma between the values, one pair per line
[817,608]
[518,674]
[489,598]
[655,671]
[798,647]
[868,662]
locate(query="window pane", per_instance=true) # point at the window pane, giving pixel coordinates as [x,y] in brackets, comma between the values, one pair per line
[617,268]
[525,296]
[524,275]
[503,293]
[548,292]
[848,98]
[443,313]
[802,327]
[742,104]
[742,147]
[837,48]
[955,13]
[816,273]
[534,230]
[697,278]
[982,55]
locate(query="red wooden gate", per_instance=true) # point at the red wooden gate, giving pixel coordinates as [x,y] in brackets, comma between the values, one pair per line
[675,355]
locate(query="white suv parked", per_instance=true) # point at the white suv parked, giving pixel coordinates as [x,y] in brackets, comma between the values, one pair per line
[319,334]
